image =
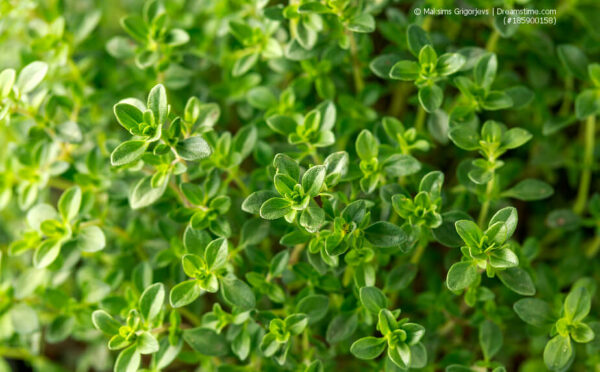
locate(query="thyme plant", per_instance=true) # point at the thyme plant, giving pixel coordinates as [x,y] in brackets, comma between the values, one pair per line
[306,185]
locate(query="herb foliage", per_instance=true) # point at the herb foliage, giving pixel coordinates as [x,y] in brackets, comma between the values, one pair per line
[301,186]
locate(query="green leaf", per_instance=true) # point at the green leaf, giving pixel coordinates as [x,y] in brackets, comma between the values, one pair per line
[254,231]
[128,115]
[206,341]
[515,137]
[128,152]
[446,232]
[192,264]
[582,333]
[279,263]
[366,145]
[383,234]
[503,258]
[417,38]
[432,183]
[91,239]
[362,23]
[414,333]
[558,352]
[245,140]
[314,306]
[449,63]
[24,319]
[337,165]
[151,301]
[368,347]
[255,200]
[418,356]
[296,323]
[7,80]
[244,64]
[269,345]
[382,65]
[146,343]
[284,184]
[207,116]
[405,70]
[313,7]
[469,232]
[136,28]
[238,293]
[485,70]
[461,275]
[587,103]
[143,194]
[517,280]
[312,218]
[275,208]
[128,360]
[530,189]
[104,322]
[341,327]
[167,352]
[60,328]
[497,100]
[521,96]
[490,339]
[184,293]
[508,216]
[573,60]
[46,253]
[427,57]
[69,203]
[431,97]
[40,213]
[157,103]
[193,148]
[535,312]
[464,137]
[373,299]
[386,321]
[400,277]
[216,253]
[400,355]
[593,71]
[286,165]
[306,36]
[31,76]
[577,304]
[313,179]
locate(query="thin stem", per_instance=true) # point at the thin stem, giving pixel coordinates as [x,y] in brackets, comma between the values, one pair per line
[427,23]
[566,104]
[483,212]
[593,248]
[295,256]
[314,154]
[420,120]
[190,316]
[180,194]
[15,353]
[21,354]
[418,253]
[398,100]
[492,41]
[234,176]
[588,159]
[59,183]
[359,84]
